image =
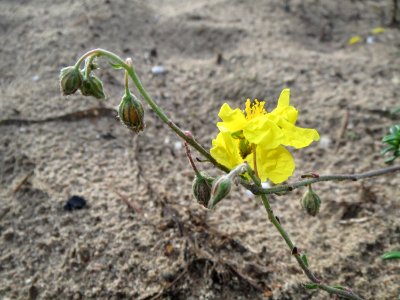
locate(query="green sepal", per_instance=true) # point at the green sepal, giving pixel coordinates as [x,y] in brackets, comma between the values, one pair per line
[116,66]
[201,188]
[92,86]
[70,80]
[220,189]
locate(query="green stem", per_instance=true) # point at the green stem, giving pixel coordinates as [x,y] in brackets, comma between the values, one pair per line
[287,239]
[258,190]
[307,271]
[340,292]
[284,234]
[126,83]
[88,69]
[158,111]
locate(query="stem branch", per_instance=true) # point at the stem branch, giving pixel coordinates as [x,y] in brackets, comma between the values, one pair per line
[257,190]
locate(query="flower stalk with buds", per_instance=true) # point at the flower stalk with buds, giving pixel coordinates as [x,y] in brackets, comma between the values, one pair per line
[250,147]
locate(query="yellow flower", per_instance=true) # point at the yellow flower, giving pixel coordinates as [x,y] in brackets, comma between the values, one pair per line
[255,130]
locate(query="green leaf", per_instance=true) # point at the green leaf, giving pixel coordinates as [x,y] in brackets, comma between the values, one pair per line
[387,149]
[391,255]
[303,257]
[116,66]
[389,160]
[395,110]
[311,286]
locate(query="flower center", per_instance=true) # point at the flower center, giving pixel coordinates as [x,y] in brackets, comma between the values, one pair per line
[255,109]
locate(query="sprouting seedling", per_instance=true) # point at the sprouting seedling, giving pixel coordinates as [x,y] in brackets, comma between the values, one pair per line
[392,141]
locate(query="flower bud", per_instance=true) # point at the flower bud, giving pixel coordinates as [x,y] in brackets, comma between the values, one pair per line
[92,86]
[311,202]
[70,80]
[220,189]
[131,112]
[201,188]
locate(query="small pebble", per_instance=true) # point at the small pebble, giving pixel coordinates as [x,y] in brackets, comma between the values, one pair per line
[370,40]
[325,142]
[75,202]
[178,145]
[158,70]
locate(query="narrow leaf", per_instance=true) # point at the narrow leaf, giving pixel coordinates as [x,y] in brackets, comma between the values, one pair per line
[391,255]
[304,259]
[311,286]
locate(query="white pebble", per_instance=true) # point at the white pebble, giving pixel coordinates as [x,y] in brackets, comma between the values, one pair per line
[370,40]
[178,145]
[158,70]
[325,142]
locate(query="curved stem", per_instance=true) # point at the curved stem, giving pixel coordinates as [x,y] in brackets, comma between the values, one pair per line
[257,190]
[304,267]
[292,247]
[126,83]
[157,110]
[87,70]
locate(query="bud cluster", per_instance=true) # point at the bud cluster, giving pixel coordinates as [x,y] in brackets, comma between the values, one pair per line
[73,79]
[209,191]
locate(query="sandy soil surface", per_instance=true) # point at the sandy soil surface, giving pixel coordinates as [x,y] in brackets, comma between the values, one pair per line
[166,246]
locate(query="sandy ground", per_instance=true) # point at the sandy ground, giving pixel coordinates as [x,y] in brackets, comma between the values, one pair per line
[166,246]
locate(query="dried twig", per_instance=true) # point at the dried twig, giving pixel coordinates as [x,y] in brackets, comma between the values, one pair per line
[21,183]
[127,202]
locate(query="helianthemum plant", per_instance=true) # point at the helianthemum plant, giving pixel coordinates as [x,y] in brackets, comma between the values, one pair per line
[251,147]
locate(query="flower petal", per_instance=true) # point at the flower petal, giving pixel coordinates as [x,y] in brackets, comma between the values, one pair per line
[283,109]
[262,131]
[276,164]
[233,119]
[225,150]
[297,137]
[284,98]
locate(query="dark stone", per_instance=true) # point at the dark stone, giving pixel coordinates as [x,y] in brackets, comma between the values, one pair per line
[75,202]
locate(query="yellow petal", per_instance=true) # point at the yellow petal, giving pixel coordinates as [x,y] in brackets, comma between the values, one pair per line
[378,30]
[276,164]
[225,150]
[289,113]
[284,98]
[354,40]
[296,136]
[233,120]
[262,131]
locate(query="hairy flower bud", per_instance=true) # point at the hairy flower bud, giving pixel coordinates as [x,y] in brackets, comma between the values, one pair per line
[131,112]
[311,202]
[92,86]
[201,188]
[70,80]
[220,189]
